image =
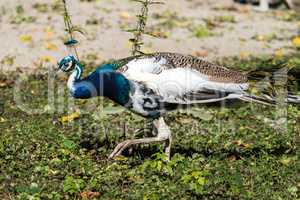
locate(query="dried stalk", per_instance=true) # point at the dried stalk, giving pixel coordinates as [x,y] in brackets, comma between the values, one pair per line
[139,31]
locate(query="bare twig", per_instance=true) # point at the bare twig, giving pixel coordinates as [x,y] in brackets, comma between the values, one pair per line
[139,31]
[70,29]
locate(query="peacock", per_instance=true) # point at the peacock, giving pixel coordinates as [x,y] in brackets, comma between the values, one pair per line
[264,5]
[151,85]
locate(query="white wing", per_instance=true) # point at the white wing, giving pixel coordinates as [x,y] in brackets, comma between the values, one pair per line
[146,65]
[180,85]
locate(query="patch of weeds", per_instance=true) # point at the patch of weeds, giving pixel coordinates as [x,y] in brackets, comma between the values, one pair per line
[19,9]
[57,6]
[226,8]
[225,18]
[218,20]
[41,7]
[73,185]
[288,16]
[20,16]
[8,60]
[201,31]
[94,21]
[265,38]
[169,20]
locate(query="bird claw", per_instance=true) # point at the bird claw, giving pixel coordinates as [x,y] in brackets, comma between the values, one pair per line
[127,143]
[163,136]
[260,9]
[119,149]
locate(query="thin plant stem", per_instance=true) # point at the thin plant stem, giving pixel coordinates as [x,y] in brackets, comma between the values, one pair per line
[69,26]
[139,31]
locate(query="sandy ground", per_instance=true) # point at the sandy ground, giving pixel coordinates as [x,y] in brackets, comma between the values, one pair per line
[31,34]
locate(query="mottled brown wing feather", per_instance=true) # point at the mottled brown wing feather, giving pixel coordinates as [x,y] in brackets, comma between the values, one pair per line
[214,72]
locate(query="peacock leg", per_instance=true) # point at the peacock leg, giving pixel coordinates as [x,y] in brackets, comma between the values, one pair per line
[263,6]
[163,131]
[164,135]
[289,4]
[146,130]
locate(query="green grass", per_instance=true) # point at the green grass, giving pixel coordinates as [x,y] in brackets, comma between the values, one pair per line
[201,31]
[232,154]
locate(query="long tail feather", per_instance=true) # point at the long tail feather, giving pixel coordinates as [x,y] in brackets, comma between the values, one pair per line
[293,99]
[256,99]
[267,100]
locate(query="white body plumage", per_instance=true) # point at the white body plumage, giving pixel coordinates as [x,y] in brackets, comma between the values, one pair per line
[174,83]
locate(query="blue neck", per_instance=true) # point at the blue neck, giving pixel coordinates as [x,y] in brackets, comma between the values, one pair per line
[79,70]
[102,82]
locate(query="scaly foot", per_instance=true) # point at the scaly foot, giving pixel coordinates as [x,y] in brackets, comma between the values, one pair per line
[127,143]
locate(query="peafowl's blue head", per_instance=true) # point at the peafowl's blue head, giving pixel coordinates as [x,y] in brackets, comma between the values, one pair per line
[67,64]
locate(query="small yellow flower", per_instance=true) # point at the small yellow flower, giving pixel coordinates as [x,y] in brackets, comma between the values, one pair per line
[279,53]
[26,38]
[244,55]
[254,90]
[296,41]
[242,144]
[2,120]
[260,38]
[285,161]
[48,59]
[70,118]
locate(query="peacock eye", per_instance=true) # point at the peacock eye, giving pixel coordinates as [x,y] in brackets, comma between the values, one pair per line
[68,64]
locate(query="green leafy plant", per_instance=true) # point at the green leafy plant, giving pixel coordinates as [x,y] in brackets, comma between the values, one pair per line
[195,180]
[73,185]
[201,31]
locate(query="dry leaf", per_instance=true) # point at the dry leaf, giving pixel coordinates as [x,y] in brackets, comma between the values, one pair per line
[160,34]
[3,84]
[125,15]
[232,158]
[50,46]
[6,83]
[201,53]
[89,195]
[49,33]
[242,144]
